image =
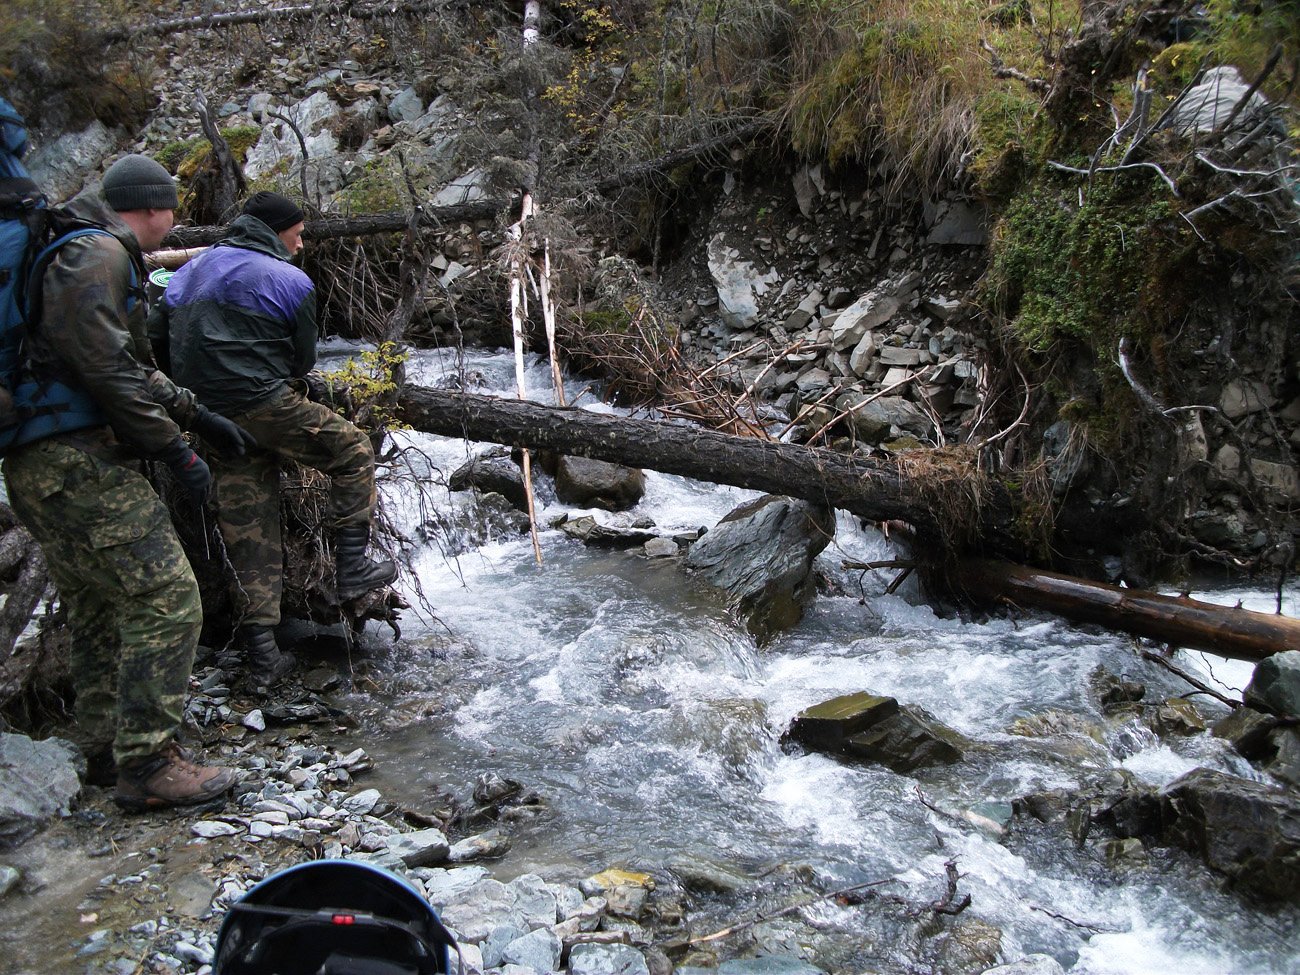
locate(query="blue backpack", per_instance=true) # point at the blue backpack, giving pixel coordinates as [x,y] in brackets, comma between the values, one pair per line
[31,232]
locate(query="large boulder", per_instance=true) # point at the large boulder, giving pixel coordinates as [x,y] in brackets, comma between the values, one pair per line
[38,781]
[761,555]
[1247,830]
[739,284]
[1275,685]
[591,483]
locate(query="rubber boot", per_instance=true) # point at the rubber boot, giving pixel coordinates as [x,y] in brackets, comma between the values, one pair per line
[356,573]
[265,663]
[170,778]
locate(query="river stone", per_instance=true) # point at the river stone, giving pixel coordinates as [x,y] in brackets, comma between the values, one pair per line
[908,740]
[968,945]
[535,900]
[493,843]
[505,932]
[832,723]
[422,848]
[38,781]
[538,950]
[769,965]
[588,959]
[1286,762]
[1029,965]
[1275,685]
[1248,730]
[591,483]
[443,886]
[761,555]
[1178,716]
[1247,830]
[492,471]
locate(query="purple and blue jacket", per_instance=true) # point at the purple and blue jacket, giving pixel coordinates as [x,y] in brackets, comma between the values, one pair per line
[237,322]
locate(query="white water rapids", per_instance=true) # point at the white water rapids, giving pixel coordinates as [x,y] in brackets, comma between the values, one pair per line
[650,723]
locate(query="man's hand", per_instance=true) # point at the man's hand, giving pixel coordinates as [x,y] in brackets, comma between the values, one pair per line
[188,469]
[225,435]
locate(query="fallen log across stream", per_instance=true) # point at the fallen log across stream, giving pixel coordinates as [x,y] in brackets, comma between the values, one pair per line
[877,490]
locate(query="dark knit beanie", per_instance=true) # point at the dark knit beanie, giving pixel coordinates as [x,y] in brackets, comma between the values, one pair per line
[136,182]
[276,211]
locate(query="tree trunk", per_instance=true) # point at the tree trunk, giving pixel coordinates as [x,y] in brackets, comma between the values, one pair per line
[900,490]
[1176,620]
[875,490]
[363,226]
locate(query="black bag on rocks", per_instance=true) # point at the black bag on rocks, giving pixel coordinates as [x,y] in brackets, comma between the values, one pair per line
[333,917]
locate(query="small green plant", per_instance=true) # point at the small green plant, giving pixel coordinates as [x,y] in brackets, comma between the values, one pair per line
[365,388]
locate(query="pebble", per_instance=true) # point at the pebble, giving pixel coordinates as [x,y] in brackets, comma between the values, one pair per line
[211,828]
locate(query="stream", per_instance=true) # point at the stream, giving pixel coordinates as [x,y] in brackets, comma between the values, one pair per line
[651,725]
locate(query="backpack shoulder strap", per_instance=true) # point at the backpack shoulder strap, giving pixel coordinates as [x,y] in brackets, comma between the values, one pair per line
[40,263]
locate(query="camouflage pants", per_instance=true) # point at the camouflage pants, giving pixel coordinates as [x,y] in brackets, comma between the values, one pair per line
[133,605]
[248,491]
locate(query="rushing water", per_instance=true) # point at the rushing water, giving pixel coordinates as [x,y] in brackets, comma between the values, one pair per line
[651,724]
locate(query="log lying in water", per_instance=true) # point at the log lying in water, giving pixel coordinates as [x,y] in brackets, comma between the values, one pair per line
[1228,631]
[876,490]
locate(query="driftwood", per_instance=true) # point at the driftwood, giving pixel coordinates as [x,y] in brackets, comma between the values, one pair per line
[363,226]
[877,490]
[25,579]
[1176,620]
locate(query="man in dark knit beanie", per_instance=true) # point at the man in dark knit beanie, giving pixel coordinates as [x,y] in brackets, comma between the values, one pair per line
[75,481]
[238,326]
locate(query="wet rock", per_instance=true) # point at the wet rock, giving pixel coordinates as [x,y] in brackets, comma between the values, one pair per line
[1178,716]
[9,880]
[1285,764]
[769,965]
[480,847]
[422,848]
[589,531]
[1246,830]
[588,959]
[1248,730]
[1275,685]
[596,484]
[1029,965]
[38,781]
[60,167]
[212,828]
[492,471]
[662,548]
[832,723]
[761,555]
[907,741]
[706,877]
[1114,692]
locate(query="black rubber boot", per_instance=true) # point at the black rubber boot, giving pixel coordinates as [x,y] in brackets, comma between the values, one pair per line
[357,574]
[266,664]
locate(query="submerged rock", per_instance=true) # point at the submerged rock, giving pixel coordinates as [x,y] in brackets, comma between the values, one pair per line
[875,729]
[761,555]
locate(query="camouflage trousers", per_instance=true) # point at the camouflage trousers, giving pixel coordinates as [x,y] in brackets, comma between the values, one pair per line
[132,602]
[290,427]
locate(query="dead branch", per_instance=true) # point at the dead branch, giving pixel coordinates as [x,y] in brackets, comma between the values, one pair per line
[1002,70]
[305,11]
[653,167]
[1200,685]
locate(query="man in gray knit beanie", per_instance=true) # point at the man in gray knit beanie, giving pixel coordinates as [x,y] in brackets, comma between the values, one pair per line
[77,485]
[136,182]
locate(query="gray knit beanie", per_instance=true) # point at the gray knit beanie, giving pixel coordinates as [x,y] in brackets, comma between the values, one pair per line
[136,182]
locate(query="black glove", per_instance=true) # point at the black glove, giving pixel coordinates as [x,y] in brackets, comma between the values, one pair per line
[188,469]
[225,435]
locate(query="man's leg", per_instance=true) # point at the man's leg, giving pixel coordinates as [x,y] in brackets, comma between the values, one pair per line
[107,531]
[317,437]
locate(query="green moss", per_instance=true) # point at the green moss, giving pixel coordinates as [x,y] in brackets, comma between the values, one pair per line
[1090,272]
[379,189]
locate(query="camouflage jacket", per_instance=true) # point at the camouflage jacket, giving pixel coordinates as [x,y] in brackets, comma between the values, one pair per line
[87,337]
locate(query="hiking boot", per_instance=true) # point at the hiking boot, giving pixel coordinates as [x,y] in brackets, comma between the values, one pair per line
[355,573]
[170,778]
[265,662]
